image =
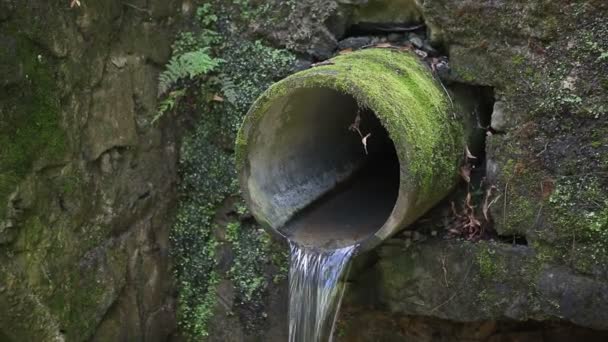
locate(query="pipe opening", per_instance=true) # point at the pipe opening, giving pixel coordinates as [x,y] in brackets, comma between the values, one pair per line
[311,176]
[306,176]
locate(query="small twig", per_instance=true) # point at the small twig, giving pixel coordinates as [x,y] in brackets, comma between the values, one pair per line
[466,276]
[504,205]
[355,125]
[147,11]
[537,218]
[395,28]
[381,46]
[444,303]
[543,151]
[449,97]
[487,203]
[540,208]
[445,271]
[355,128]
[492,202]
[468,153]
[573,247]
[322,63]
[367,46]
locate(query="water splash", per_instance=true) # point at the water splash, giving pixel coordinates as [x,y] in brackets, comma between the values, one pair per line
[315,291]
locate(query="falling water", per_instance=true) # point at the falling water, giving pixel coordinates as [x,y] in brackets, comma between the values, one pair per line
[315,292]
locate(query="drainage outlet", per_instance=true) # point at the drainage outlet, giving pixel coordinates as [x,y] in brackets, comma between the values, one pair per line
[351,151]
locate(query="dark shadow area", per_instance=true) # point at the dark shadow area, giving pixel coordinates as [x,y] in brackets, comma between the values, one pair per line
[358,206]
[513,239]
[364,29]
[372,325]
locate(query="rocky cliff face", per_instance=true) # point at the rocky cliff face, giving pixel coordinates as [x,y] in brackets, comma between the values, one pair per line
[541,171]
[546,166]
[86,182]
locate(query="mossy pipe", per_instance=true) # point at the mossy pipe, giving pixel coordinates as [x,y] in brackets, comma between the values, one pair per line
[295,146]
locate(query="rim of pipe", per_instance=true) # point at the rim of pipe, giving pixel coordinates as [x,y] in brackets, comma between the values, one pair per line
[411,105]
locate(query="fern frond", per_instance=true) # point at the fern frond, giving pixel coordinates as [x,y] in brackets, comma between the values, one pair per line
[229,89]
[187,65]
[168,103]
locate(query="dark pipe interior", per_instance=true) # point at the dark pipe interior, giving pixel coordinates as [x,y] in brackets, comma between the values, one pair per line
[357,206]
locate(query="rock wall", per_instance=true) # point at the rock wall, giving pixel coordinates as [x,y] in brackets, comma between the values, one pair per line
[542,168]
[86,182]
[546,164]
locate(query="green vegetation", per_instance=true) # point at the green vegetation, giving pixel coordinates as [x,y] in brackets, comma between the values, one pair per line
[486,262]
[208,179]
[253,250]
[169,103]
[187,65]
[579,216]
[30,122]
[190,61]
[491,262]
[518,59]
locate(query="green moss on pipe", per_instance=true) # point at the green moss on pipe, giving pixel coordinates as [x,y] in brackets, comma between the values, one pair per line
[411,105]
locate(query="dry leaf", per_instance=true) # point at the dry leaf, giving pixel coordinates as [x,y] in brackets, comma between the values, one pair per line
[487,203]
[421,54]
[465,225]
[345,51]
[218,98]
[322,63]
[453,206]
[467,202]
[434,62]
[355,128]
[474,222]
[75,3]
[465,173]
[547,187]
[468,153]
[364,141]
[355,125]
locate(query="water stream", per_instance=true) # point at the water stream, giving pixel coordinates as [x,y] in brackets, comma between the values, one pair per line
[325,235]
[315,291]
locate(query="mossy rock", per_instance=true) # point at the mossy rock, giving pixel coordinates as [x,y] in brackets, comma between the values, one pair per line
[30,121]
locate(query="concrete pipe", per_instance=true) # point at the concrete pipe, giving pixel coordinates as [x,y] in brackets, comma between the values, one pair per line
[351,151]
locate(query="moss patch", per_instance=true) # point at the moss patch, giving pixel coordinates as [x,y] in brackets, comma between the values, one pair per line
[579,218]
[29,118]
[487,266]
[205,231]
